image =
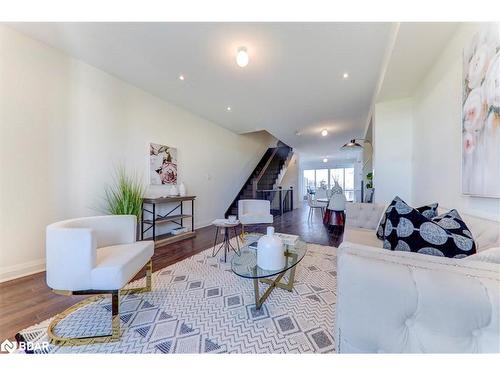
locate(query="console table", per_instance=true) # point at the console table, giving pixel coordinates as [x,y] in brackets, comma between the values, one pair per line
[175,215]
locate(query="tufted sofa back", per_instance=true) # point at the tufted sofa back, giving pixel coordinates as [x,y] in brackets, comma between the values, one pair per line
[399,302]
[363,215]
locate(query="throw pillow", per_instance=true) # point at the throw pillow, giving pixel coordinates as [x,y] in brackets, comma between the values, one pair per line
[446,235]
[429,211]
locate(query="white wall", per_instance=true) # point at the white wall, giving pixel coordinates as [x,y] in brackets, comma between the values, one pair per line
[367,156]
[437,136]
[65,125]
[392,144]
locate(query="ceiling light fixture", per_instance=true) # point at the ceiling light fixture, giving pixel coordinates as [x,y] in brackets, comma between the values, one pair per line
[298,133]
[324,132]
[228,109]
[242,58]
[345,75]
[325,160]
[181,77]
[353,145]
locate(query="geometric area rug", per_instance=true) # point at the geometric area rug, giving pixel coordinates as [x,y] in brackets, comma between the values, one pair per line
[199,305]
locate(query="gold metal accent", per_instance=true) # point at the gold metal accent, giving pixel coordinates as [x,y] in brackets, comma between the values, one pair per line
[98,295]
[243,234]
[259,300]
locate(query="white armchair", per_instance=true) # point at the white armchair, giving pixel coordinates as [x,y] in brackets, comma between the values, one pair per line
[95,255]
[254,211]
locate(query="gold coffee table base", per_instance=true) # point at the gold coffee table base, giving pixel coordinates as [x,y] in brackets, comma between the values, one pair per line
[276,283]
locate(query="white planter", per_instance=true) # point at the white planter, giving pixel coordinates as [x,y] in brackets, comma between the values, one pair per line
[337,200]
[173,190]
[182,189]
[270,251]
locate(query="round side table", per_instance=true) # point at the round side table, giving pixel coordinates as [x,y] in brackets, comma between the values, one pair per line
[225,225]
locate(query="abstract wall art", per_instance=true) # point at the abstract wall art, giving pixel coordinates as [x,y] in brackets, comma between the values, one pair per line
[163,164]
[481,113]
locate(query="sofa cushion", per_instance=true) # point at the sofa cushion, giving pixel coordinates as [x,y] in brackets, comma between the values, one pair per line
[429,211]
[361,236]
[491,256]
[363,215]
[406,229]
[116,265]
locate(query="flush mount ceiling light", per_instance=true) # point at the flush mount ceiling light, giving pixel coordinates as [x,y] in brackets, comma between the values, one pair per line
[298,133]
[181,77]
[324,132]
[242,58]
[228,109]
[345,75]
[325,160]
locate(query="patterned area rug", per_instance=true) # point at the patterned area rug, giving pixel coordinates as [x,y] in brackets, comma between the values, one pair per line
[200,306]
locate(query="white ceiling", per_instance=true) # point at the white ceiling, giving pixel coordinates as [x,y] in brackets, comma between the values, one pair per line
[417,46]
[292,83]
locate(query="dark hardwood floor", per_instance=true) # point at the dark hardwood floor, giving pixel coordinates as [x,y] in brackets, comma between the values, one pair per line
[28,300]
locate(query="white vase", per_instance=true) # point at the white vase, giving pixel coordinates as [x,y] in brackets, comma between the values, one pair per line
[337,200]
[270,252]
[173,190]
[182,189]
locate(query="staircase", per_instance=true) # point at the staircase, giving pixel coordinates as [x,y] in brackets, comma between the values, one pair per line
[262,183]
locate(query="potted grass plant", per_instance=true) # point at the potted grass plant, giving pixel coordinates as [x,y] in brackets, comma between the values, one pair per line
[124,195]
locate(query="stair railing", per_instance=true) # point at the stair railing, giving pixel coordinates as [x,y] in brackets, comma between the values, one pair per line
[256,180]
[281,199]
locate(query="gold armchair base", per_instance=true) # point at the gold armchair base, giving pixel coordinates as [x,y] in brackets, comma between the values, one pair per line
[97,295]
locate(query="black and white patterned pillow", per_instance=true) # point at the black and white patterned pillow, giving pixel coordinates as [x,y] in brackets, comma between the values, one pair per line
[429,211]
[446,235]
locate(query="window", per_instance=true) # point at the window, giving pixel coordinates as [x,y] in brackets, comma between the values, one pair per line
[309,180]
[322,178]
[316,178]
[337,174]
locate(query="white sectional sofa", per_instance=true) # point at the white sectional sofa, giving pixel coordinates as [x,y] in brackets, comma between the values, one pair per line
[398,302]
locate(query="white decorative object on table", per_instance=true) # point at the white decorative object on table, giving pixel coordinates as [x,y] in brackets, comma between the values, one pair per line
[270,251]
[337,200]
[182,189]
[173,191]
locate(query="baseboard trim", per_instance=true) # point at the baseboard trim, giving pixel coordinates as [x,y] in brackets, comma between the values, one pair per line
[21,270]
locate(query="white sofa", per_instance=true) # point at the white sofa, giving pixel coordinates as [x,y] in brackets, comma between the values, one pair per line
[398,302]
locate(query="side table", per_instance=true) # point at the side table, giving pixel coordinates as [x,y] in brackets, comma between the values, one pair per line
[226,225]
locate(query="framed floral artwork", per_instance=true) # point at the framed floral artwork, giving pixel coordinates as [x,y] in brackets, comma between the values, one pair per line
[162,164]
[481,114]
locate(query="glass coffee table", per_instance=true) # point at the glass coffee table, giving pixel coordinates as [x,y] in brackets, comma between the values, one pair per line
[245,265]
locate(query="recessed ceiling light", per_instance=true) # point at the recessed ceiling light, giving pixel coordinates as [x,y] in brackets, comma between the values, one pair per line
[345,75]
[298,133]
[181,77]
[242,58]
[325,160]
[324,132]
[228,109]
